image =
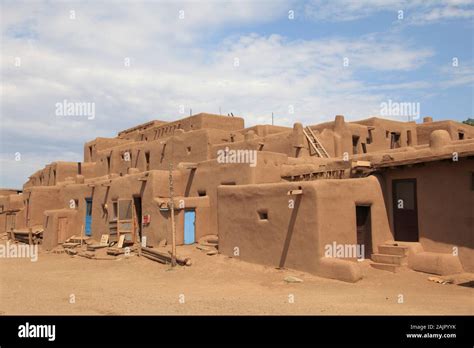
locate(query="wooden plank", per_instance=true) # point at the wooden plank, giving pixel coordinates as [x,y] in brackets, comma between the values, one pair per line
[319,142]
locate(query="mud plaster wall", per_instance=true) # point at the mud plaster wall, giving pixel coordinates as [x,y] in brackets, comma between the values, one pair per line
[445,206]
[40,199]
[336,214]
[287,238]
[296,238]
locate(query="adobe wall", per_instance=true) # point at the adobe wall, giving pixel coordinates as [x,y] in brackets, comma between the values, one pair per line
[445,205]
[50,233]
[374,134]
[453,128]
[296,238]
[40,199]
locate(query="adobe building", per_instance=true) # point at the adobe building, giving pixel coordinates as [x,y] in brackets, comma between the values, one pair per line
[305,198]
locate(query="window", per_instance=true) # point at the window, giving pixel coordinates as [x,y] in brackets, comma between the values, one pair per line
[114,210]
[355,144]
[188,150]
[370,137]
[147,160]
[409,140]
[395,140]
[108,164]
[228,183]
[202,193]
[461,135]
[263,214]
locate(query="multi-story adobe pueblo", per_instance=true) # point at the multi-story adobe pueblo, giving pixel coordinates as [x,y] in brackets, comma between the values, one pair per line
[401,193]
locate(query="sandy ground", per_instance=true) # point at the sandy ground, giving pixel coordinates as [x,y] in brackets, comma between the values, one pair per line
[212,285]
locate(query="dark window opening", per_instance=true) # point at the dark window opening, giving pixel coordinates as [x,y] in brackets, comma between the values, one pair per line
[108,164]
[188,150]
[90,153]
[263,214]
[395,140]
[201,193]
[409,140]
[79,168]
[228,183]
[147,160]
[370,138]
[355,144]
[461,135]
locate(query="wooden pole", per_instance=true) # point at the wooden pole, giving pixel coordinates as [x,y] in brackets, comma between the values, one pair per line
[173,229]
[82,233]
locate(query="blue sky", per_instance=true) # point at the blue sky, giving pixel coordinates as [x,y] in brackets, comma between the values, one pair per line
[189,63]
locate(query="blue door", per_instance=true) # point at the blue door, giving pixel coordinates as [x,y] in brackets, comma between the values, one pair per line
[189,229]
[88,226]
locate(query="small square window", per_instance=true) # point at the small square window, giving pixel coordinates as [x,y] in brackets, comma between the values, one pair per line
[202,193]
[263,214]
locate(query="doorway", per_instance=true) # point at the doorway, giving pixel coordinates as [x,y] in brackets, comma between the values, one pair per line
[137,203]
[364,229]
[88,224]
[189,226]
[62,229]
[405,211]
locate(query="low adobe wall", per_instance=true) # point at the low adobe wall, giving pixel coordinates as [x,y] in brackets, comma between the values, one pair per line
[296,238]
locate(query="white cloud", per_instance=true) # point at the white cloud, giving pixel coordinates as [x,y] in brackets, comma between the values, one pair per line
[174,62]
[416,11]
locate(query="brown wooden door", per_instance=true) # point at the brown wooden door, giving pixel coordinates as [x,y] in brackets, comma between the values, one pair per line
[364,229]
[405,211]
[62,229]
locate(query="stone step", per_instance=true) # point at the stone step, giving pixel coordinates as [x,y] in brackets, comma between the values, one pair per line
[386,267]
[399,250]
[390,259]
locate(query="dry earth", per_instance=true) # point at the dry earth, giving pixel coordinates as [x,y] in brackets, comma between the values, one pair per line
[213,285]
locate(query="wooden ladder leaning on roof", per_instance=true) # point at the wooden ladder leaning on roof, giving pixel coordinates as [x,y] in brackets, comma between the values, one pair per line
[315,143]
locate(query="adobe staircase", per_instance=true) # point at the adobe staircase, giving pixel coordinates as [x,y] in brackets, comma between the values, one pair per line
[390,257]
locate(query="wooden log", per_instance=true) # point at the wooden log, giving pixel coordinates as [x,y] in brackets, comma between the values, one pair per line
[151,257]
[166,256]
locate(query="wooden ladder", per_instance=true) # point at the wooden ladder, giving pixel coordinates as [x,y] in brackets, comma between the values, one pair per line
[315,143]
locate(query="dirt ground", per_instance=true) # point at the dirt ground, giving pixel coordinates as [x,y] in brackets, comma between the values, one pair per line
[213,285]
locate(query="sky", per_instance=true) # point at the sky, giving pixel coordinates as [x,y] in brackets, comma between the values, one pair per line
[303,61]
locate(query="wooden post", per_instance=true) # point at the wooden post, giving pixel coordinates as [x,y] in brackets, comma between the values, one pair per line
[30,236]
[173,229]
[82,233]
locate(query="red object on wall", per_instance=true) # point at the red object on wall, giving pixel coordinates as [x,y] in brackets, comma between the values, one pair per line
[146,219]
